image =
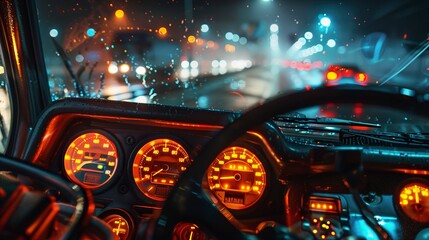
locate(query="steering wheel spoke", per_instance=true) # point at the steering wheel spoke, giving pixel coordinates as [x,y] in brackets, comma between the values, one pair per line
[189,203]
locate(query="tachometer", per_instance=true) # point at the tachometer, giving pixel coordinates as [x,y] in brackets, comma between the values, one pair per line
[237,178]
[91,160]
[157,166]
[413,200]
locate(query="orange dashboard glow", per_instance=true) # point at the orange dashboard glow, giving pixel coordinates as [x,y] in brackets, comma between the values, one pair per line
[91,160]
[237,178]
[414,201]
[157,166]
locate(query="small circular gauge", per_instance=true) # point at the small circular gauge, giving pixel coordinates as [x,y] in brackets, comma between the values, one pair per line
[237,178]
[157,166]
[188,231]
[413,200]
[91,160]
[120,226]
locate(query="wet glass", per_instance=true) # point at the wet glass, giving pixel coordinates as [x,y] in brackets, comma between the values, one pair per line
[229,54]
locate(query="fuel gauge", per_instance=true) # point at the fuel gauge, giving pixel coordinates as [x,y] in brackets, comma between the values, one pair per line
[189,231]
[120,222]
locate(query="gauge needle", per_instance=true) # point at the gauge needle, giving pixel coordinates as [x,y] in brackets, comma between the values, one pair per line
[190,236]
[119,228]
[227,177]
[417,197]
[83,163]
[160,170]
[80,166]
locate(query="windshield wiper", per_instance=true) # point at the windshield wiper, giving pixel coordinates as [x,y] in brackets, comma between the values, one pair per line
[390,138]
[67,63]
[325,121]
[76,77]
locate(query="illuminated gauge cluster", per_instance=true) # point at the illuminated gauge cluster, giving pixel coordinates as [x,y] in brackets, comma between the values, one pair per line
[157,167]
[91,160]
[237,178]
[413,201]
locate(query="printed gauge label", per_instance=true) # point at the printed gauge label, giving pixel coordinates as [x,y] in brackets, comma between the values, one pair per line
[157,166]
[91,160]
[237,178]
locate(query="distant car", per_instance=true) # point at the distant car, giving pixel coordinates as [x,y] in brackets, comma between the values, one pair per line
[345,74]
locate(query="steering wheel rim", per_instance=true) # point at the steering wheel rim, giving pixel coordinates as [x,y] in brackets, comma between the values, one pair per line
[84,201]
[188,202]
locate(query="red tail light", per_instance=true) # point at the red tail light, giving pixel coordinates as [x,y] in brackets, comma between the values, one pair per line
[361,77]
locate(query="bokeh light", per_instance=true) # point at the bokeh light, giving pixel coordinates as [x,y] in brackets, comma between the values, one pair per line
[162,31]
[191,39]
[90,32]
[119,13]
[53,33]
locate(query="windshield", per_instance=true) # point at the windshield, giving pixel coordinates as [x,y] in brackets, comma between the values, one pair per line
[229,54]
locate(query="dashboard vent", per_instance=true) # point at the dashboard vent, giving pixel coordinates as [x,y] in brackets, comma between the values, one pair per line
[346,139]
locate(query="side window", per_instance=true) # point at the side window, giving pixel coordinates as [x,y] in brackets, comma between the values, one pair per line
[5,108]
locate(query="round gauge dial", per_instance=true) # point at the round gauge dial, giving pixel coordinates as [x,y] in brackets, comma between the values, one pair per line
[91,160]
[120,226]
[157,166]
[414,201]
[237,178]
[189,231]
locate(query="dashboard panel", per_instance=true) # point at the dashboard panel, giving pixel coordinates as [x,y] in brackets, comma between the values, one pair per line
[130,156]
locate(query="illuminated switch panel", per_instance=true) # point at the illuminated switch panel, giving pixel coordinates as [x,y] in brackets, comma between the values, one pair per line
[325,217]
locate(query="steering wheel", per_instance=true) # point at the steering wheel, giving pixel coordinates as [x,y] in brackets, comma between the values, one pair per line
[79,217]
[187,201]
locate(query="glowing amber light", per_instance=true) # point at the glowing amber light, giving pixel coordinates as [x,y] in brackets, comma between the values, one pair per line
[414,201]
[323,204]
[191,39]
[91,160]
[331,76]
[162,31]
[119,13]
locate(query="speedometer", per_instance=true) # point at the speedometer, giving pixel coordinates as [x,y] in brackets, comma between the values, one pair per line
[157,166]
[237,178]
[91,160]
